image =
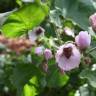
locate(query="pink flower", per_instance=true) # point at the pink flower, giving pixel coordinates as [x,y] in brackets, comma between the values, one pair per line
[83,40]
[36,33]
[39,50]
[92,20]
[47,54]
[68,57]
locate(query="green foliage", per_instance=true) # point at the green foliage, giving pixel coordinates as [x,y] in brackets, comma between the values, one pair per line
[76,10]
[85,90]
[29,74]
[55,78]
[7,5]
[90,76]
[24,19]
[30,89]
[55,17]
[24,72]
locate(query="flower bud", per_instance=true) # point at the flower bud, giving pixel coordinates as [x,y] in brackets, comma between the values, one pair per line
[67,62]
[83,40]
[45,67]
[87,60]
[92,20]
[39,50]
[47,54]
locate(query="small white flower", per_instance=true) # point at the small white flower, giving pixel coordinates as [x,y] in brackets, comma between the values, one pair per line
[68,57]
[68,31]
[93,67]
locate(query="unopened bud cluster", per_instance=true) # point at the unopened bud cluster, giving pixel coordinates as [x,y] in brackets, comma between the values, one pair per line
[42,51]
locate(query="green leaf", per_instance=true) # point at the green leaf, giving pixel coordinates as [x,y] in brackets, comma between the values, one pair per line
[85,90]
[19,2]
[55,17]
[54,77]
[24,19]
[50,30]
[93,52]
[22,73]
[77,10]
[90,76]
[30,89]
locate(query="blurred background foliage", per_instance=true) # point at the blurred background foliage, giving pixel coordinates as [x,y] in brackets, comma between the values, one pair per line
[7,5]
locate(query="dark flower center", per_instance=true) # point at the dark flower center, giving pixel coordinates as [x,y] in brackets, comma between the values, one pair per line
[67,52]
[39,31]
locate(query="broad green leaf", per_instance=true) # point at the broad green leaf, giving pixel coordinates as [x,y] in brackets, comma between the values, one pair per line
[85,90]
[77,10]
[54,77]
[55,17]
[24,19]
[90,76]
[30,89]
[22,74]
[93,52]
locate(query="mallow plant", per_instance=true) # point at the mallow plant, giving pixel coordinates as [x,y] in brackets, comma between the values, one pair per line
[46,51]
